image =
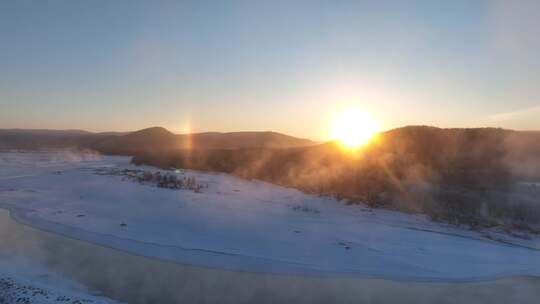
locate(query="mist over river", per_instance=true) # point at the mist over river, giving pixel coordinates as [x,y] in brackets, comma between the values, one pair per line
[134,279]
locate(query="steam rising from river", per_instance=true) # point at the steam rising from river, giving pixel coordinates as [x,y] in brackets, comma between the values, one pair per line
[135,279]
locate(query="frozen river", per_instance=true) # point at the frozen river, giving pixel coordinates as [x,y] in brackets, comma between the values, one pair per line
[134,279]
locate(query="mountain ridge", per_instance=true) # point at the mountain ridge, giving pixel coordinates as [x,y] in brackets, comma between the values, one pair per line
[147,139]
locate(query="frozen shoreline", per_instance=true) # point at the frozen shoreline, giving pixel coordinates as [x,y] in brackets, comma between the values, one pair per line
[25,281]
[17,289]
[250,227]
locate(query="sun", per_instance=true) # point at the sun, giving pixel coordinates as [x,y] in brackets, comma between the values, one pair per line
[354,128]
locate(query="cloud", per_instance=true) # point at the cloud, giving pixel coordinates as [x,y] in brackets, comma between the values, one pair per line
[524,118]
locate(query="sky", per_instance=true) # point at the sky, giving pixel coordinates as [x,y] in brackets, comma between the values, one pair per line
[286,66]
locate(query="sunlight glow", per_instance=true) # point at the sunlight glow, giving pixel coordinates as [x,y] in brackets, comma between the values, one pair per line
[354,128]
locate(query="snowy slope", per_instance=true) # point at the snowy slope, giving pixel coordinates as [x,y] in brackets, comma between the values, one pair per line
[246,225]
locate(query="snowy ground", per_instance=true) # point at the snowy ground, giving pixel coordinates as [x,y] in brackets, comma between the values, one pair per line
[25,282]
[248,225]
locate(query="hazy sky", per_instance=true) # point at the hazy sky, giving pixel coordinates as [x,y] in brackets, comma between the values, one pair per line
[286,66]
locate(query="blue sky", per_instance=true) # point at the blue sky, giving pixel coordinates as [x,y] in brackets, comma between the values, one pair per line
[287,66]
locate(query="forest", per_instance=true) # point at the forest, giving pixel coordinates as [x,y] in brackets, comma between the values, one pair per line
[478,177]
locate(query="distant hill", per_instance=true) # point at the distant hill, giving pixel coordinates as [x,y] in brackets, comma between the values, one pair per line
[155,138]
[42,139]
[160,139]
[445,149]
[150,139]
[469,157]
[236,140]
